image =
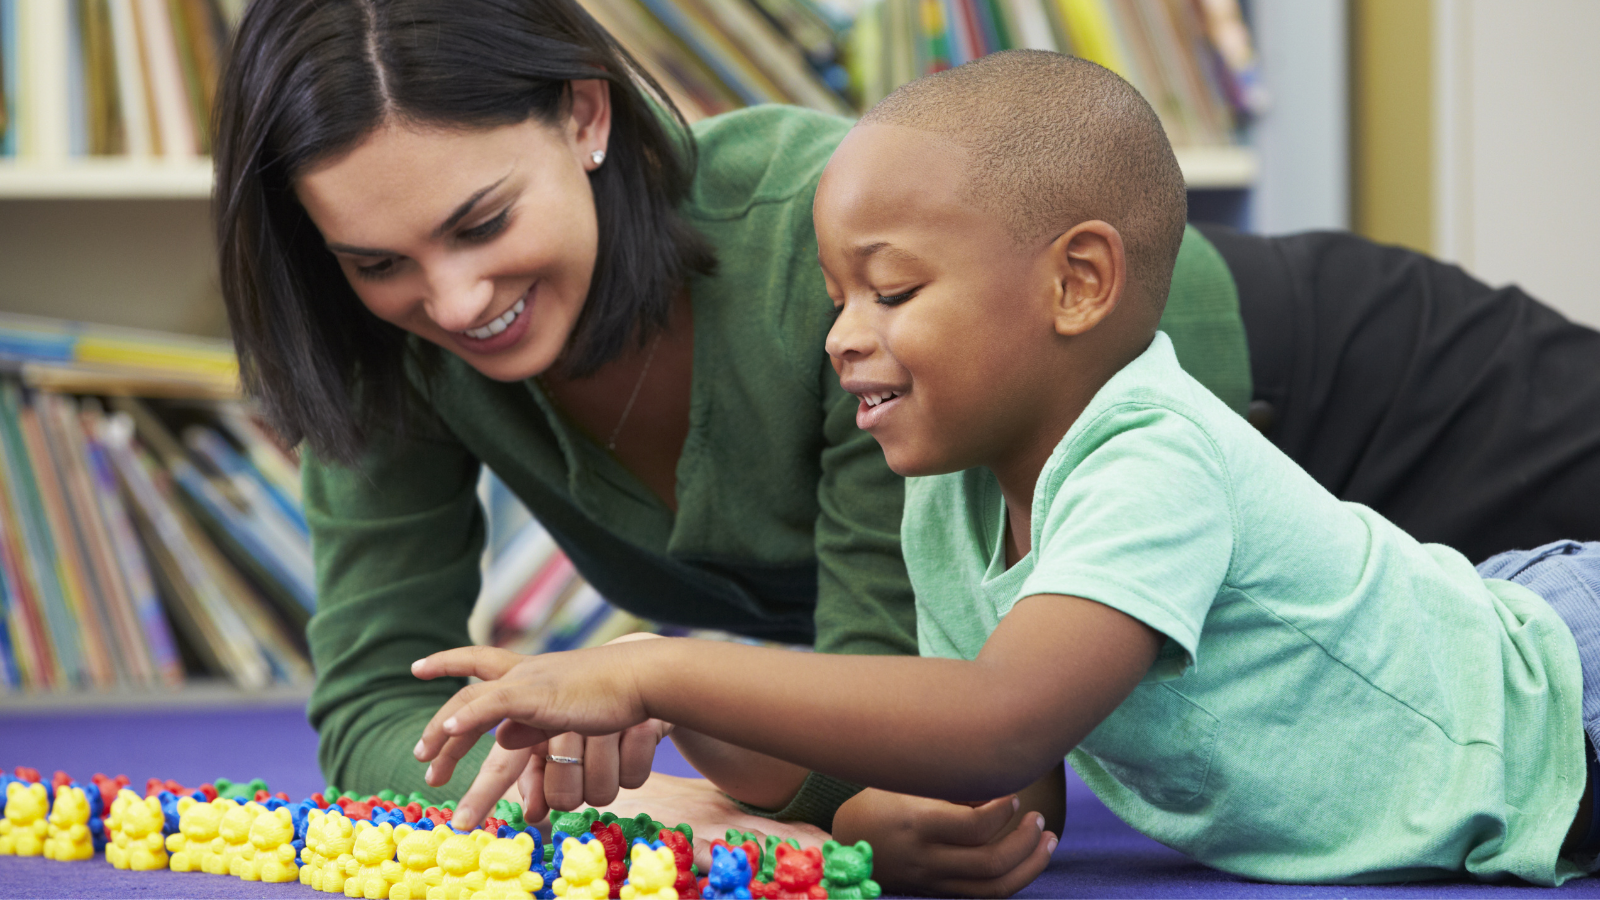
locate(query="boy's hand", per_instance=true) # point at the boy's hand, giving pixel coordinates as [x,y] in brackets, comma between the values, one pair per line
[589,692]
[923,846]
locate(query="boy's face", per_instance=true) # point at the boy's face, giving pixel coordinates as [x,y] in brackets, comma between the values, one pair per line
[944,325]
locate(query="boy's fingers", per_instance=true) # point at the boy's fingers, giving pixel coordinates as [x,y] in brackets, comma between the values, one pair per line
[498,772]
[600,770]
[1010,882]
[434,734]
[485,709]
[488,663]
[517,736]
[990,861]
[443,767]
[954,823]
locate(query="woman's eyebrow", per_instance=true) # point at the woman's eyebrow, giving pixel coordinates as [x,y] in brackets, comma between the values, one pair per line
[460,213]
[464,209]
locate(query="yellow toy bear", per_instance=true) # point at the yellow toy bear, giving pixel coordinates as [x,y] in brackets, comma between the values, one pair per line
[311,853]
[338,839]
[197,840]
[113,824]
[69,826]
[416,852]
[363,868]
[583,871]
[234,829]
[457,876]
[139,844]
[651,875]
[272,837]
[504,863]
[23,830]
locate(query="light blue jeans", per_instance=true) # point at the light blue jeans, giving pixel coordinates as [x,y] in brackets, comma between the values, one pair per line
[1567,575]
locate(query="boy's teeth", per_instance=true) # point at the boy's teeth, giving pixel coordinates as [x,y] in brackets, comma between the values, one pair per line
[498,325]
[874,399]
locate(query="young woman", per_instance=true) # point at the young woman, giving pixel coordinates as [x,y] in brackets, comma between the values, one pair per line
[457,233]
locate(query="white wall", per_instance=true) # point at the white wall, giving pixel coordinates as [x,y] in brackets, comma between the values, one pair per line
[1304,139]
[1517,145]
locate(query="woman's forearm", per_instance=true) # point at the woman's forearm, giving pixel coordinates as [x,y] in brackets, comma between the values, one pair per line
[754,778]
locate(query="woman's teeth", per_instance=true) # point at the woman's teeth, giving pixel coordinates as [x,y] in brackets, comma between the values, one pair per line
[874,399]
[498,325]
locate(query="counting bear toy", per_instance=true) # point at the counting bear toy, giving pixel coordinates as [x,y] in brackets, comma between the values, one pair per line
[847,870]
[416,852]
[197,847]
[505,865]
[390,847]
[729,878]
[24,828]
[583,870]
[69,837]
[135,825]
[796,875]
[651,874]
[271,855]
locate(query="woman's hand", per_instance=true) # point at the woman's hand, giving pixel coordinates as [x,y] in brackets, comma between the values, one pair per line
[543,708]
[922,846]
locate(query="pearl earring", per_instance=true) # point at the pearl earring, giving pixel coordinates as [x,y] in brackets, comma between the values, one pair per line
[599,156]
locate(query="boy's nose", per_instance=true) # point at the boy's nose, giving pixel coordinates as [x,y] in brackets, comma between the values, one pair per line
[850,338]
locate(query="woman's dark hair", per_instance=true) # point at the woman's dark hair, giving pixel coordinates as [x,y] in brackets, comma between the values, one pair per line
[307,80]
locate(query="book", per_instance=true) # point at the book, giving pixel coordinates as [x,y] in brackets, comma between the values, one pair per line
[174,120]
[140,138]
[37,562]
[139,583]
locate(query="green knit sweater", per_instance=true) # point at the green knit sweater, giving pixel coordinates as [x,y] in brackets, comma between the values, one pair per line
[788,520]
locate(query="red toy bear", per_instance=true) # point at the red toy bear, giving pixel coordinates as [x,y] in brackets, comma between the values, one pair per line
[797,876]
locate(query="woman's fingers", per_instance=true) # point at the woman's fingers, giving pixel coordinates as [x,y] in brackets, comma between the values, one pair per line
[531,786]
[487,663]
[636,752]
[500,770]
[600,769]
[563,772]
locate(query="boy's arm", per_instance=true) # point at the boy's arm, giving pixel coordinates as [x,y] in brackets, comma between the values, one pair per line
[959,730]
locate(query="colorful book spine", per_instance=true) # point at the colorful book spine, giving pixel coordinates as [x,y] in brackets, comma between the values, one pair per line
[39,561]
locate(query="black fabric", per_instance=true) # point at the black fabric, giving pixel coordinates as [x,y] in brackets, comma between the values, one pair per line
[1467,415]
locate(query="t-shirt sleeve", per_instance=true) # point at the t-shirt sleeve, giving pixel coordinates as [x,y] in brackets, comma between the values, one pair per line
[1141,520]
[396,541]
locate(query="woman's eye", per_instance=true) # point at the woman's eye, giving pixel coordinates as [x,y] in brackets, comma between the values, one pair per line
[488,229]
[377,270]
[898,299]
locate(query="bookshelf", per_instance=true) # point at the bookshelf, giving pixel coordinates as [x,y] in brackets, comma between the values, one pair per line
[108,178]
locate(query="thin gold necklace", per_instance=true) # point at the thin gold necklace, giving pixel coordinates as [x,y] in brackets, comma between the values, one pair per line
[611,442]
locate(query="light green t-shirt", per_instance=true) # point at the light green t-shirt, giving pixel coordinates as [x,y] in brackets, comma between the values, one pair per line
[1334,701]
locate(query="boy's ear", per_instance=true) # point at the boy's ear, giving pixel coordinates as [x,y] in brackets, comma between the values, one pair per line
[1091,271]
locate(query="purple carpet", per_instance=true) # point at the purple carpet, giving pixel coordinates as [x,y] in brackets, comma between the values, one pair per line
[1098,856]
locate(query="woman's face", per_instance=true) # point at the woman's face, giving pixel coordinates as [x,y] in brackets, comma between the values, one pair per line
[481,241]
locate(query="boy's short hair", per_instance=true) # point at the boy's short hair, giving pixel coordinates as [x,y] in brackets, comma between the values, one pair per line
[1055,141]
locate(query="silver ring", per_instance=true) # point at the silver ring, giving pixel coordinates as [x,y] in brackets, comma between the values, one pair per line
[569,760]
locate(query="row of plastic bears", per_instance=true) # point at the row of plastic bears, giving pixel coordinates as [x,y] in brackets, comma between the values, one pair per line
[388,845]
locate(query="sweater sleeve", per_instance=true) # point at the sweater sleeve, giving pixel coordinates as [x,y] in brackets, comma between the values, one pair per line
[396,541]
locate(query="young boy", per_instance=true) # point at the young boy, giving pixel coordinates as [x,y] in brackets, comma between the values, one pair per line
[1110,564]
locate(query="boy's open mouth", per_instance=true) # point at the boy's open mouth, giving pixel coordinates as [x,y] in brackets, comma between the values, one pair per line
[874,406]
